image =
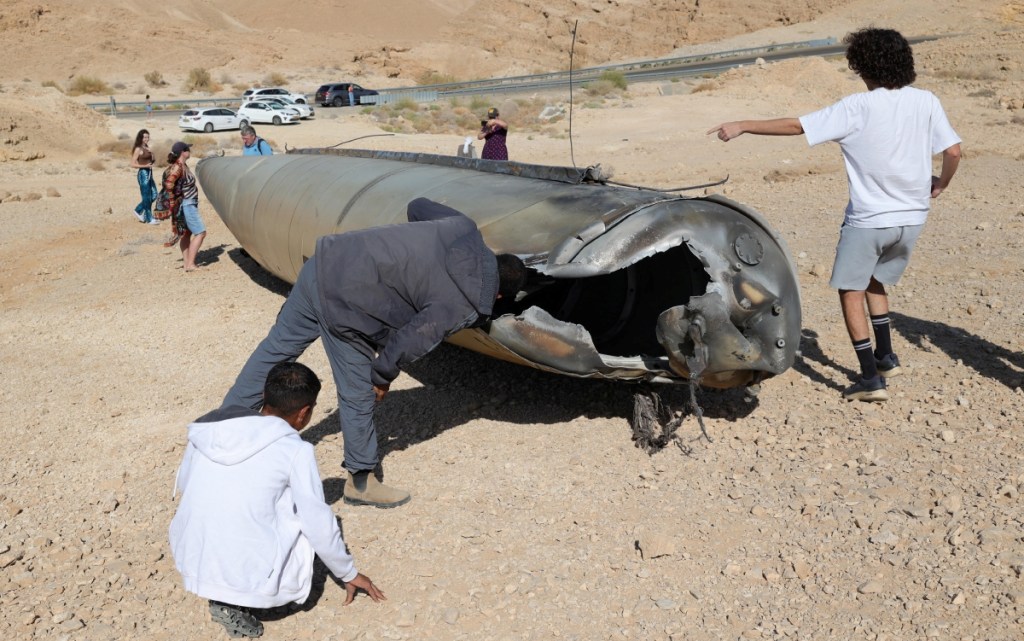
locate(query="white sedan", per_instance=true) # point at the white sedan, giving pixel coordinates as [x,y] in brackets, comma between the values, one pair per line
[305,111]
[266,112]
[209,119]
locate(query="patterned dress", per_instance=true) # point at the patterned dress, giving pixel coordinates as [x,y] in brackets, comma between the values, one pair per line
[494,145]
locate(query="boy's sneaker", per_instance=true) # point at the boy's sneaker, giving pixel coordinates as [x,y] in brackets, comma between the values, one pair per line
[237,621]
[888,366]
[139,216]
[153,221]
[867,389]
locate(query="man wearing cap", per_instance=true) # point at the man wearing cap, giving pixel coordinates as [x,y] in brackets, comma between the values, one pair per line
[378,299]
[494,130]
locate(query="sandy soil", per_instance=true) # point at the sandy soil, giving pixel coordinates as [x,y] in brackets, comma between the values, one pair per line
[534,517]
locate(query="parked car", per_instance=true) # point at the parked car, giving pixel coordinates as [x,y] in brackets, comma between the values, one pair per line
[266,112]
[335,94]
[305,111]
[208,119]
[277,92]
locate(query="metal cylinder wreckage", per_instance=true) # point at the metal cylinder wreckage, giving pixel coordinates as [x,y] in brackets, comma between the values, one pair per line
[625,284]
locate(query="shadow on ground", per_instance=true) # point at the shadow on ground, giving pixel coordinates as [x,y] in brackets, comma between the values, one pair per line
[258,275]
[810,352]
[458,386]
[986,358]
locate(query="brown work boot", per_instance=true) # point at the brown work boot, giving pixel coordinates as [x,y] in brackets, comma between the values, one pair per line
[363,488]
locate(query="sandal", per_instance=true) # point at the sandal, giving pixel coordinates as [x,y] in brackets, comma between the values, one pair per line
[237,621]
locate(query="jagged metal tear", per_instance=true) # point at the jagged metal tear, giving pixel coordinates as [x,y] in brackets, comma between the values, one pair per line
[627,284]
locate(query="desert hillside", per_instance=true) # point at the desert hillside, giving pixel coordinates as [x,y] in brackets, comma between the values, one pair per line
[120,40]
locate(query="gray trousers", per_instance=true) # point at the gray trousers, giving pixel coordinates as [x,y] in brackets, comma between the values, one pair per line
[299,323]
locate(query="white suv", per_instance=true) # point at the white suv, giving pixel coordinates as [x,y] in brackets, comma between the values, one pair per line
[272,92]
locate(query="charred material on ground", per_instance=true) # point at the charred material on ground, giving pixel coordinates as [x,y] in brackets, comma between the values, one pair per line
[626,284]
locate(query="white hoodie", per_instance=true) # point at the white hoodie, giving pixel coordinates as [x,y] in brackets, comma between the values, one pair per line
[252,512]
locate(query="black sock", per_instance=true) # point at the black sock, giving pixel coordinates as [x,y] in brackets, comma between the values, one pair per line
[866,358]
[883,338]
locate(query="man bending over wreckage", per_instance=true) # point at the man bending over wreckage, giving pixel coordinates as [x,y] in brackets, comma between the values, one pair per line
[379,299]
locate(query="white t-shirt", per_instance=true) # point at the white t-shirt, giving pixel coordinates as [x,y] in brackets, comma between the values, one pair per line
[888,138]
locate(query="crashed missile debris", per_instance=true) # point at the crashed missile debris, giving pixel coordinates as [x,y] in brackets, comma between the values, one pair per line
[626,284]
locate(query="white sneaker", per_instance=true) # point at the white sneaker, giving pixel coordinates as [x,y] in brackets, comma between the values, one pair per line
[139,216]
[153,222]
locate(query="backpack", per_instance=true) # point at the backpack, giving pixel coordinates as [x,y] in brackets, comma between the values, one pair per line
[162,204]
[260,141]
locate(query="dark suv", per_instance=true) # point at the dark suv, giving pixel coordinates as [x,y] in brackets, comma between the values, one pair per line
[336,94]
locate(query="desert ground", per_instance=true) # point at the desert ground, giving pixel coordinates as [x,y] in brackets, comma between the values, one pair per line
[534,516]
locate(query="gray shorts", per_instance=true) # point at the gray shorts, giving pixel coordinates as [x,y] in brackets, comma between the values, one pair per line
[863,253]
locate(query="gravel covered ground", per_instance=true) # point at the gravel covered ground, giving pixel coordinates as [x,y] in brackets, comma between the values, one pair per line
[534,516]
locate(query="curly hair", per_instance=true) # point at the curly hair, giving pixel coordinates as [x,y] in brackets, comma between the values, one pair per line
[882,56]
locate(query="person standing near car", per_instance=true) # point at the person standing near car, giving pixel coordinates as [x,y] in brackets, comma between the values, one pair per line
[253,145]
[180,182]
[494,131]
[351,96]
[142,160]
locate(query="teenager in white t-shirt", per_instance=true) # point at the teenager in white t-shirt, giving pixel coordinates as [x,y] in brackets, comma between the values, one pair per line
[888,136]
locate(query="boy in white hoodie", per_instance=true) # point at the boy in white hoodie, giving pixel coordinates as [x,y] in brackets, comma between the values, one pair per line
[252,511]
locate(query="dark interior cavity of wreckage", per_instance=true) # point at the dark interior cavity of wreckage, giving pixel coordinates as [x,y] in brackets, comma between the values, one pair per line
[619,310]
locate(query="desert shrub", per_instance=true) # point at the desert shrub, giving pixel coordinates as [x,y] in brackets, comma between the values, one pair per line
[706,85]
[199,80]
[476,103]
[89,85]
[96,164]
[599,87]
[407,104]
[434,78]
[617,78]
[119,147]
[53,83]
[275,79]
[154,79]
[120,86]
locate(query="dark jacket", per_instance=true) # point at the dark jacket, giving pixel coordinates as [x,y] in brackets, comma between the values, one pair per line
[400,290]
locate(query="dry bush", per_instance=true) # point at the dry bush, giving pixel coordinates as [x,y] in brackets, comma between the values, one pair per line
[706,85]
[451,117]
[201,145]
[600,87]
[120,147]
[120,86]
[406,104]
[96,164]
[275,79]
[616,78]
[155,79]
[434,78]
[199,79]
[88,85]
[53,83]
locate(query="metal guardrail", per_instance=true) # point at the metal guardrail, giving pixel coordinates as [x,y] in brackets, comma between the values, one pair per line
[659,68]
